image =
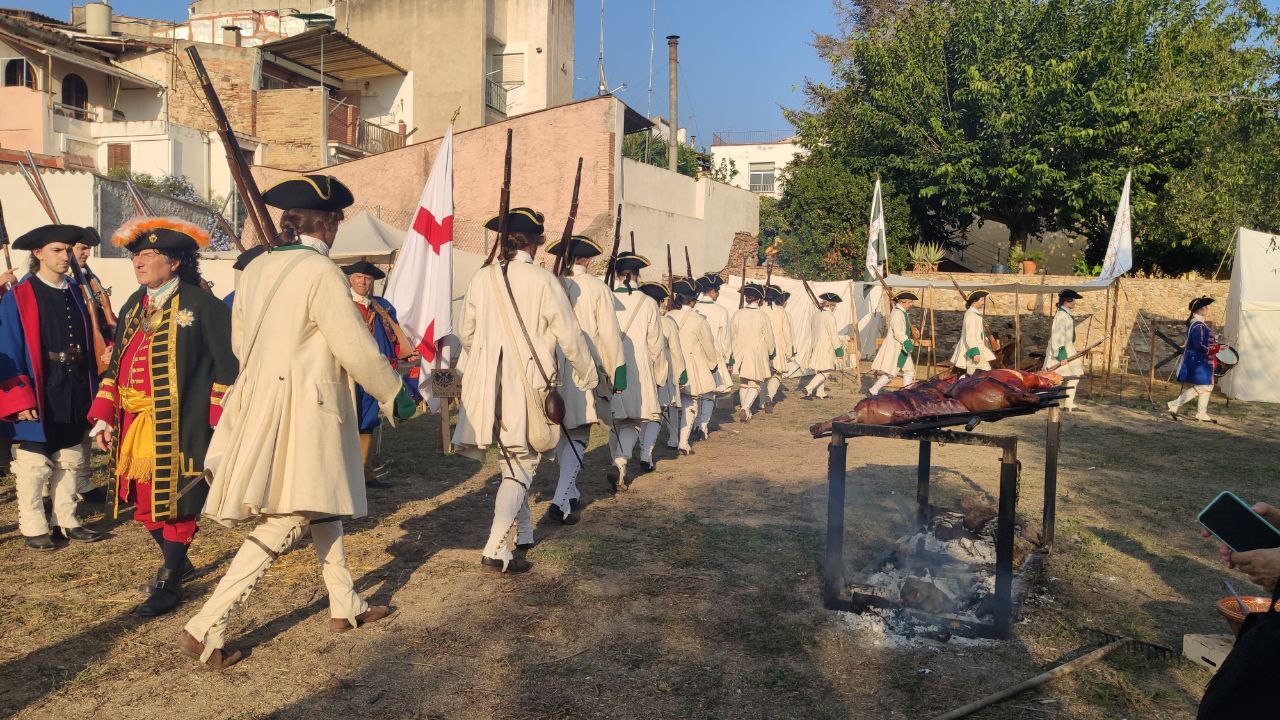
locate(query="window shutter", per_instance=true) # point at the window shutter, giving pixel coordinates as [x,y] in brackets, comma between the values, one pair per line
[510,69]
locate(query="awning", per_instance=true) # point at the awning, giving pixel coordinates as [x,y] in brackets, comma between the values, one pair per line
[343,58]
[102,67]
[1027,287]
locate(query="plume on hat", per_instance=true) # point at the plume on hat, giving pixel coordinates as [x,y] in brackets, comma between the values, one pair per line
[131,229]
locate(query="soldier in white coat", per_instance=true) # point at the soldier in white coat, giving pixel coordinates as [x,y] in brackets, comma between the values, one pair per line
[669,372]
[700,357]
[775,307]
[287,450]
[1062,344]
[593,306]
[719,320]
[894,355]
[503,384]
[973,353]
[641,347]
[753,349]
[824,347]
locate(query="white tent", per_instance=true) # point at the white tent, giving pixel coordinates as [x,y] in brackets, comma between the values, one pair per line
[1253,318]
[365,237]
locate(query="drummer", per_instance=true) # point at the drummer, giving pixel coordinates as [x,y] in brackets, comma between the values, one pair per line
[1198,362]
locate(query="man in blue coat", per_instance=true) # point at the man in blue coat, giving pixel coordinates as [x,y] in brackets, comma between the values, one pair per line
[380,317]
[48,378]
[1197,362]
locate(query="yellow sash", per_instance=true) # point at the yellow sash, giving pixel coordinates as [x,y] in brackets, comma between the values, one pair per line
[137,459]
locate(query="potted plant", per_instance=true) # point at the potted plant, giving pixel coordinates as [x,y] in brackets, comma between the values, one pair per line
[925,257]
[1031,259]
[1015,258]
[915,253]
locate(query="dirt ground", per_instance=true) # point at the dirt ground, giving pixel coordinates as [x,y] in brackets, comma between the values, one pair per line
[693,595]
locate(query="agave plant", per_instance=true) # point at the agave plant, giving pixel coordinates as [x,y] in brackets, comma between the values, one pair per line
[925,256]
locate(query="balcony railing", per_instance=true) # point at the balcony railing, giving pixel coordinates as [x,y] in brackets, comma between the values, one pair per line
[762,188]
[76,113]
[495,96]
[751,137]
[346,127]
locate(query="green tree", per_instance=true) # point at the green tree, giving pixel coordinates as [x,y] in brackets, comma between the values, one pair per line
[649,147]
[1029,112]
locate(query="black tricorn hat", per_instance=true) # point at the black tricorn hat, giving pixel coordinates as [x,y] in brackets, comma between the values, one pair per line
[1193,306]
[785,297]
[975,296]
[45,234]
[772,293]
[580,246]
[364,267]
[309,192]
[905,295]
[685,287]
[710,281]
[159,233]
[829,297]
[519,220]
[1068,294]
[91,237]
[627,261]
[753,292]
[248,256]
[657,291]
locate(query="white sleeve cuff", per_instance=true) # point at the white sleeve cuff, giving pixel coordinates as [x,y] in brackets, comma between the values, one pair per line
[98,428]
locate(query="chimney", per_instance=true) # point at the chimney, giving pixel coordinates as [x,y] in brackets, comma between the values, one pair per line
[673,82]
[97,19]
[231,35]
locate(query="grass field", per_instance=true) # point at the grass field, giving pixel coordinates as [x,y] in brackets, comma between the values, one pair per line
[694,595]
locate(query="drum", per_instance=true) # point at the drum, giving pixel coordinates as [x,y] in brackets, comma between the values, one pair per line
[1226,358]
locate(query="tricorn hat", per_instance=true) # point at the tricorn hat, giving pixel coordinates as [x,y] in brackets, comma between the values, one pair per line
[519,220]
[685,287]
[248,256]
[829,297]
[975,296]
[580,246]
[753,292]
[364,267]
[627,261]
[657,291]
[159,233]
[905,295]
[1068,294]
[45,234]
[1194,306]
[785,296]
[772,294]
[91,237]
[309,192]
[710,281]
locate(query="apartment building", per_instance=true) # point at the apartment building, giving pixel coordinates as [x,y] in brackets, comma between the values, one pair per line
[760,158]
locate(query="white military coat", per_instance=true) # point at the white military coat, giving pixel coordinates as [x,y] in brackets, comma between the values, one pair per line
[973,334]
[669,370]
[641,344]
[783,342]
[495,358]
[700,355]
[288,439]
[1062,344]
[752,344]
[718,319]
[593,307]
[823,343]
[897,334]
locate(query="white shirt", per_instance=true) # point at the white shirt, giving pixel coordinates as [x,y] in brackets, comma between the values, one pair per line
[315,244]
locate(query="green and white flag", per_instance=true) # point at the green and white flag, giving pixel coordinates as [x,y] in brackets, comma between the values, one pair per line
[1119,257]
[877,253]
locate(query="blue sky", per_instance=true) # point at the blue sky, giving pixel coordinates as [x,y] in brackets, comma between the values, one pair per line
[741,61]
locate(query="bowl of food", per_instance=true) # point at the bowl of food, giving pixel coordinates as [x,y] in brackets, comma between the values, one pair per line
[1230,609]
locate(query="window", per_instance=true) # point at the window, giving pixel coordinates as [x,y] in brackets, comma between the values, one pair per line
[18,73]
[761,177]
[119,156]
[75,93]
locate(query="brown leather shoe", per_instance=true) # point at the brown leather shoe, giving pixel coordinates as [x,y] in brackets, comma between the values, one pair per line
[219,660]
[373,614]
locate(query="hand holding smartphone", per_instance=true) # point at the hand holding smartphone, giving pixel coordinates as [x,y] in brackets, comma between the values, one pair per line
[1235,523]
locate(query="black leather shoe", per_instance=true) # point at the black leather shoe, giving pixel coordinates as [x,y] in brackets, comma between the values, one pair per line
[555,513]
[614,476]
[188,571]
[515,565]
[647,466]
[39,543]
[377,484]
[83,534]
[768,409]
[165,595]
[696,434]
[575,512]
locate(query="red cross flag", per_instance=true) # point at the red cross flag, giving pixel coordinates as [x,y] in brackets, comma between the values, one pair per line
[421,283]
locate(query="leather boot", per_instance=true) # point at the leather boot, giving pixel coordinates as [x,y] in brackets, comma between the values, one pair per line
[366,442]
[165,594]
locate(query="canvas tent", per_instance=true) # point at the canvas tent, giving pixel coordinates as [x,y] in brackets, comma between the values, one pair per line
[365,237]
[1253,317]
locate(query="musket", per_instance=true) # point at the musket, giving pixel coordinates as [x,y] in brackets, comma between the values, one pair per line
[504,205]
[688,266]
[768,276]
[963,298]
[633,242]
[245,184]
[609,274]
[742,299]
[812,296]
[4,243]
[566,239]
[92,307]
[671,280]
[1080,354]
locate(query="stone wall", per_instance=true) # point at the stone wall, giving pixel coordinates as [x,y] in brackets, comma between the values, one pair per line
[1142,302]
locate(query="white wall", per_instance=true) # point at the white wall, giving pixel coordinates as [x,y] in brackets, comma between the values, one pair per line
[780,154]
[664,207]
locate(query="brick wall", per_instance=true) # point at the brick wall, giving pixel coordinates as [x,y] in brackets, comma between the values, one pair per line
[1142,302]
[290,124]
[231,70]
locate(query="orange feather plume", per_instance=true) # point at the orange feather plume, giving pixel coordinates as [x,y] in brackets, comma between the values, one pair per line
[130,231]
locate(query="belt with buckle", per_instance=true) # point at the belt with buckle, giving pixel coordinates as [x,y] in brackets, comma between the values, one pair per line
[69,356]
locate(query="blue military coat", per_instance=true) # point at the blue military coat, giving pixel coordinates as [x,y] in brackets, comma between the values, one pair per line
[1197,365]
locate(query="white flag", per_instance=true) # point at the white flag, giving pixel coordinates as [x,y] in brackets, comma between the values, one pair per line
[1119,259]
[421,283]
[876,250]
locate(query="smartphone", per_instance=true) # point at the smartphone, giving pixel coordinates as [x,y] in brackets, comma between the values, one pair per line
[1235,523]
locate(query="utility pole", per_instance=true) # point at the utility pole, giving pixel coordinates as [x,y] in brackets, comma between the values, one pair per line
[673,83]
